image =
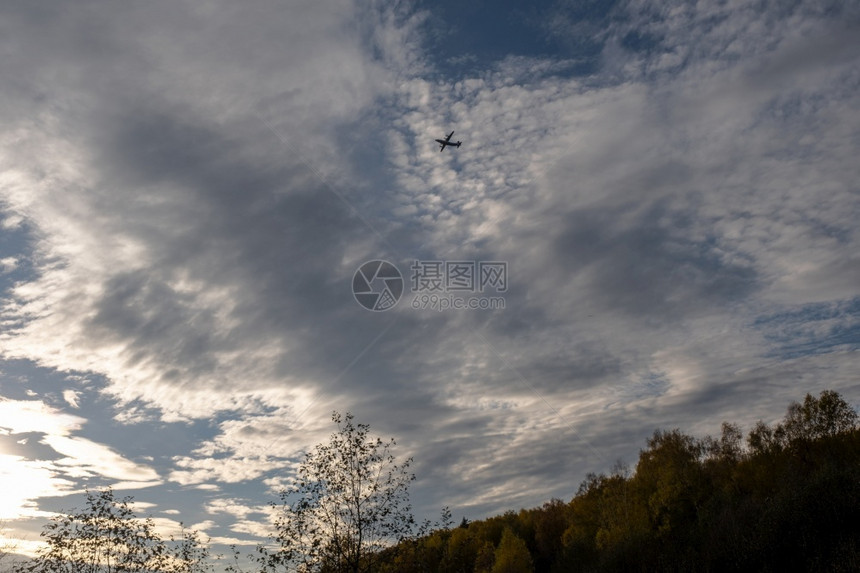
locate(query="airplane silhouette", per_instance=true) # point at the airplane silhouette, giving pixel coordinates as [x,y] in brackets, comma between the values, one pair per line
[447,141]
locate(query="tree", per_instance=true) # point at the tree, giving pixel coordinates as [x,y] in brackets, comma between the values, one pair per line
[7,551]
[350,500]
[461,551]
[512,555]
[107,537]
[486,558]
[188,555]
[728,448]
[103,537]
[827,415]
[763,439]
[550,523]
[669,474]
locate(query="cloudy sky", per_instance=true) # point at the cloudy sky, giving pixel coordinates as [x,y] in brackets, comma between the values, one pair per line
[187,190]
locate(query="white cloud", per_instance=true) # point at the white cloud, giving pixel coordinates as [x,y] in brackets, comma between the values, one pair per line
[239,542]
[310,71]
[203,526]
[26,547]
[32,479]
[208,487]
[254,528]
[166,527]
[649,213]
[71,397]
[25,481]
[231,469]
[235,507]
[21,416]
[85,457]
[8,264]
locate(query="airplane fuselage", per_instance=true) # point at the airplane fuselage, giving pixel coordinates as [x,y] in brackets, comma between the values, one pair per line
[447,141]
[444,143]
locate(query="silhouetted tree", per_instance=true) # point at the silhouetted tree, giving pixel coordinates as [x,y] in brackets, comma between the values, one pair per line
[826,416]
[789,501]
[7,552]
[816,418]
[550,521]
[349,502]
[107,537]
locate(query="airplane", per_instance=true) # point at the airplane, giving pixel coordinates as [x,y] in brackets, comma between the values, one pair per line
[447,141]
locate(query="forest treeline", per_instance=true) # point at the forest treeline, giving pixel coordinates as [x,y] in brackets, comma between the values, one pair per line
[785,498]
[782,498]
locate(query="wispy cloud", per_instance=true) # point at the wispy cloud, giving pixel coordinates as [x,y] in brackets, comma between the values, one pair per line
[35,472]
[190,189]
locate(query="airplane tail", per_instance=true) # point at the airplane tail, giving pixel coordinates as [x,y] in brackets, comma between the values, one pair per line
[458,144]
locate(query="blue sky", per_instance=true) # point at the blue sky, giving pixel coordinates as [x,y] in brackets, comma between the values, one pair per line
[189,187]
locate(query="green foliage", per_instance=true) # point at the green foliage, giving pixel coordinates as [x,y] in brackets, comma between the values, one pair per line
[485,559]
[512,555]
[461,551]
[350,501]
[669,476]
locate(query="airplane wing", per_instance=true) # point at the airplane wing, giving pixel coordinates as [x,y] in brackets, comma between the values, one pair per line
[449,136]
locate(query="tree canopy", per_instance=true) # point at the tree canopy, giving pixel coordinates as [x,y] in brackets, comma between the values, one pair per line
[785,498]
[350,500]
[788,500]
[107,537]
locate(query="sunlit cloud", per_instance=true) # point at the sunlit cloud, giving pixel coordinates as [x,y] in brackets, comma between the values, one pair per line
[71,397]
[27,480]
[91,458]
[235,507]
[17,546]
[187,204]
[24,481]
[21,416]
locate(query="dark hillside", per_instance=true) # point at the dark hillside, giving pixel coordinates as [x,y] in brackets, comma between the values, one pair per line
[785,499]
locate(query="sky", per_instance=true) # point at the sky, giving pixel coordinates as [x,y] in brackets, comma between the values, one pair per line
[651,222]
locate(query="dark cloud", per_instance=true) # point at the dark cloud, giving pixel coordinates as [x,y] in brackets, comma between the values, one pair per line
[652,266]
